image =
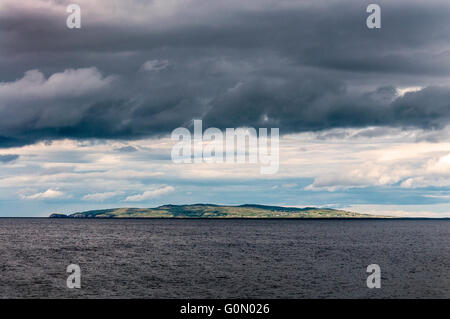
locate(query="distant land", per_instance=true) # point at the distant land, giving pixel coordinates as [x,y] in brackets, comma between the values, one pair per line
[216,211]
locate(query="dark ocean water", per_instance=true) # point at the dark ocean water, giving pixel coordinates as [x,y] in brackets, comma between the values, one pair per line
[224,258]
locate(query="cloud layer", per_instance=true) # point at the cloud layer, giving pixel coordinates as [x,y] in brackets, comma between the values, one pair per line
[143,69]
[345,167]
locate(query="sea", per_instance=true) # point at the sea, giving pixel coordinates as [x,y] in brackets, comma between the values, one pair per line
[224,258]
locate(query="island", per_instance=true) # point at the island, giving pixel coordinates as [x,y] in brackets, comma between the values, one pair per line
[216,211]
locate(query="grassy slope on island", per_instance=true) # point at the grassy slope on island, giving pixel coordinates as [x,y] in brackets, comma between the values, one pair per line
[216,211]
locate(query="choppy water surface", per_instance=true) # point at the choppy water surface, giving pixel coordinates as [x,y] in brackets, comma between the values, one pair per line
[224,258]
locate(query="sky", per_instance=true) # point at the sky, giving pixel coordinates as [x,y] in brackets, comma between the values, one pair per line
[86,114]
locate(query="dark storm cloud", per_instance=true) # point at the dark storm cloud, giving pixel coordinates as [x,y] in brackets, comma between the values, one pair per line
[300,107]
[310,66]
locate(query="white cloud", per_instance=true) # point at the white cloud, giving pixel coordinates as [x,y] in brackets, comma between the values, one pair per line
[289,185]
[426,181]
[359,176]
[427,211]
[404,90]
[438,196]
[440,165]
[48,194]
[337,182]
[69,83]
[150,194]
[100,197]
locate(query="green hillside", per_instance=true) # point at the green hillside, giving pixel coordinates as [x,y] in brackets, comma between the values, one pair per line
[215,211]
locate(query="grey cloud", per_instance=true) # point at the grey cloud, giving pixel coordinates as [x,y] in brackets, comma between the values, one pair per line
[127,149]
[310,66]
[8,158]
